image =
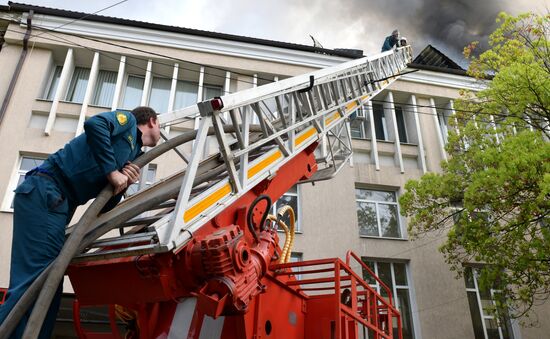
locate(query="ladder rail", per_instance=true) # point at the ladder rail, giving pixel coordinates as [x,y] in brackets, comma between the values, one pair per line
[251,95]
[309,122]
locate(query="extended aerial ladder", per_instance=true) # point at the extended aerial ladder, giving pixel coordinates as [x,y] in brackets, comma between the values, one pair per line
[198,256]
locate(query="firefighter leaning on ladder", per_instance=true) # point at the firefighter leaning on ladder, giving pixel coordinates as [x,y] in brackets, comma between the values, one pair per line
[45,202]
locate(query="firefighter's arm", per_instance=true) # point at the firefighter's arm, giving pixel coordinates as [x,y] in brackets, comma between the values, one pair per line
[99,132]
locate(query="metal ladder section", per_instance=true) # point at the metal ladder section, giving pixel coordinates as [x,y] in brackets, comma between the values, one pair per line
[271,124]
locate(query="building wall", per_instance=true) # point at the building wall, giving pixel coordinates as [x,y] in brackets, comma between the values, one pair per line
[328,212]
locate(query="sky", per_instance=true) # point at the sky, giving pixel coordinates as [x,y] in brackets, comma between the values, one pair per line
[448,25]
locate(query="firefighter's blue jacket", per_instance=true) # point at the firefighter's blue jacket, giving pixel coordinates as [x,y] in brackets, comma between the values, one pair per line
[389,42]
[110,140]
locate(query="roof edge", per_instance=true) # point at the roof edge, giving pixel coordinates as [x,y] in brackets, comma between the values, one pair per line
[440,69]
[19,7]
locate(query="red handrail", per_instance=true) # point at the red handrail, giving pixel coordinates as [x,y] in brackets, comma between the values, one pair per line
[365,267]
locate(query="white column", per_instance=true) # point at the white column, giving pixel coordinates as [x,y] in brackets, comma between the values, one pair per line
[201,84]
[421,154]
[144,102]
[255,81]
[391,108]
[227,83]
[199,93]
[451,109]
[89,92]
[374,146]
[226,91]
[64,78]
[173,87]
[119,81]
[438,130]
[147,84]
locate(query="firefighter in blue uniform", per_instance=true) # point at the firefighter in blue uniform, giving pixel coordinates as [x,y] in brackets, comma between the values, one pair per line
[45,202]
[390,41]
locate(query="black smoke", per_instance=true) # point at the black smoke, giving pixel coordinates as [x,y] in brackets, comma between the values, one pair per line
[456,23]
[448,25]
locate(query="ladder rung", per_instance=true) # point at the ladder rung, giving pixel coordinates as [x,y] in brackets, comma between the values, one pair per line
[125,239]
[124,252]
[142,221]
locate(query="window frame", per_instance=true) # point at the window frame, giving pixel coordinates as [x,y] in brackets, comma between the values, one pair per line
[71,86]
[383,122]
[152,88]
[124,88]
[484,317]
[443,125]
[51,77]
[401,123]
[14,179]
[402,234]
[395,287]
[151,168]
[362,118]
[96,91]
[298,213]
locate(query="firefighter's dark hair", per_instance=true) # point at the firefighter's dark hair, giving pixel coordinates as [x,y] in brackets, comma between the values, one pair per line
[143,113]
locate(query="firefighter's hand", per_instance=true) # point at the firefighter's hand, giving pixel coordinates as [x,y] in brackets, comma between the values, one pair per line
[118,180]
[132,172]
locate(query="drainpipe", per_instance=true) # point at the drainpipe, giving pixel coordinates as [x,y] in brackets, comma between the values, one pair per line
[17,71]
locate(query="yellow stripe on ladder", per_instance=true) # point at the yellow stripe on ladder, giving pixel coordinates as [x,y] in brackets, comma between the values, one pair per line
[264,163]
[205,203]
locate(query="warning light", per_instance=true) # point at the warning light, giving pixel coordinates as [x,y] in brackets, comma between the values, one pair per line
[217,103]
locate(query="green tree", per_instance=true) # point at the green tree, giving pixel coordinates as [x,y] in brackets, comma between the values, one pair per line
[493,194]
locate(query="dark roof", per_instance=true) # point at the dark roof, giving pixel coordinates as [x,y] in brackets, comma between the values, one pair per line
[19,7]
[433,59]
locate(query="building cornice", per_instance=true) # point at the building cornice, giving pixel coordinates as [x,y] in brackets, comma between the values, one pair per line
[190,42]
[443,79]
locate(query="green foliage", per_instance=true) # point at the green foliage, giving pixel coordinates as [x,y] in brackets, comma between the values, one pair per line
[493,194]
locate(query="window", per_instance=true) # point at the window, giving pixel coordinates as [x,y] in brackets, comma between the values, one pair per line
[160,94]
[358,124]
[377,213]
[151,174]
[49,93]
[394,275]
[26,164]
[289,198]
[399,115]
[78,84]
[186,94]
[486,325]
[379,122]
[104,88]
[443,120]
[133,92]
[210,92]
[3,292]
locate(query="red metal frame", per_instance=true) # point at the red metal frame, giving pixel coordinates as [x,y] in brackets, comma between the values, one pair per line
[323,282]
[254,298]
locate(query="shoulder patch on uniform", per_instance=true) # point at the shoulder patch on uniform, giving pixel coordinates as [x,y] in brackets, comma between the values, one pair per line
[122,118]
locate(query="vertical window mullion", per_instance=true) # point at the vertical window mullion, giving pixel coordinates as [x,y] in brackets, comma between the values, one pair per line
[478,296]
[394,288]
[378,219]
